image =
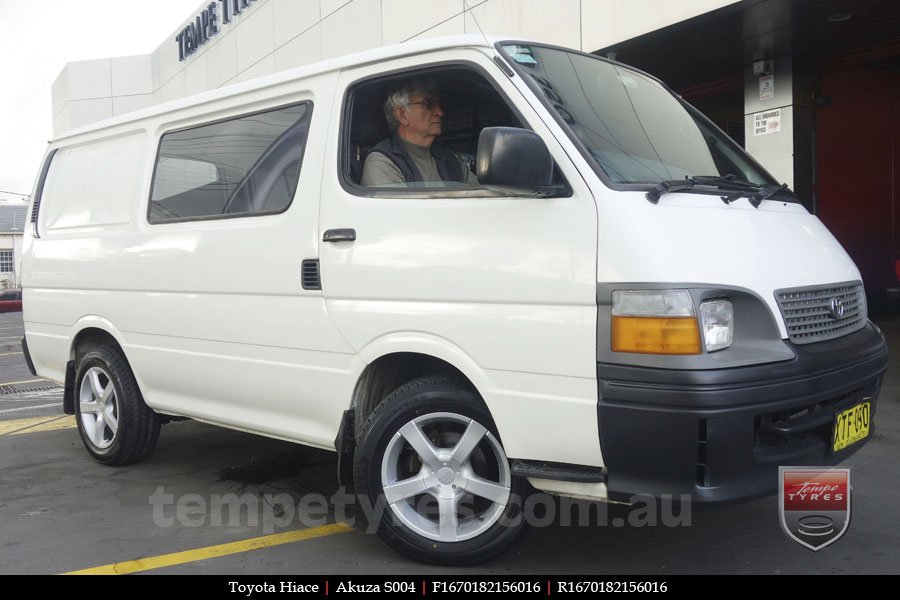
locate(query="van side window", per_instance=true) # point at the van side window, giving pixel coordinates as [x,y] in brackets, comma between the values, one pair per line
[245,166]
[468,103]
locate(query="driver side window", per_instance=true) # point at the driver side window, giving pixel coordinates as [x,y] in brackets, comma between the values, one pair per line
[434,146]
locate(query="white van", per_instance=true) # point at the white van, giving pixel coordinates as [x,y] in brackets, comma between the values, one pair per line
[626,303]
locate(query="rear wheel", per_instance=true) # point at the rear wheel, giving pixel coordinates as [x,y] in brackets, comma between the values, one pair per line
[115,424]
[436,477]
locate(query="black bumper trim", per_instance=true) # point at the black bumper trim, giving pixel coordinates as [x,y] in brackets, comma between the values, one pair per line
[69,389]
[719,436]
[817,368]
[27,355]
[558,471]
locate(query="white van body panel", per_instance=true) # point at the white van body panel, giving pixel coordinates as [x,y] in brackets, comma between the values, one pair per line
[508,282]
[210,314]
[86,202]
[778,245]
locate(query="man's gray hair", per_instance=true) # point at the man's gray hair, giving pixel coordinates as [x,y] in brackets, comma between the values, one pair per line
[400,98]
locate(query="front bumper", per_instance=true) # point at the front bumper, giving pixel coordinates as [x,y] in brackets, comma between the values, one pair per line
[720,435]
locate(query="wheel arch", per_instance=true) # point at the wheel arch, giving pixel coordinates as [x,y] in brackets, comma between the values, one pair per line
[392,361]
[88,333]
[400,357]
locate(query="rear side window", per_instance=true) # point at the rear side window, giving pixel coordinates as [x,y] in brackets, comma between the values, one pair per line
[245,166]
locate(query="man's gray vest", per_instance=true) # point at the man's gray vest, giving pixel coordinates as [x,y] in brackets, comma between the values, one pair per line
[447,162]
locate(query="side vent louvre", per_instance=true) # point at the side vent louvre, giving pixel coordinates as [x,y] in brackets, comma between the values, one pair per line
[310,275]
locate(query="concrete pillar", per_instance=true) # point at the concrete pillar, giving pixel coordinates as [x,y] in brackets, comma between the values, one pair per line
[778,125]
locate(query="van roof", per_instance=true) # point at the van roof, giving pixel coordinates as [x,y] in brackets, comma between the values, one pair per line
[333,64]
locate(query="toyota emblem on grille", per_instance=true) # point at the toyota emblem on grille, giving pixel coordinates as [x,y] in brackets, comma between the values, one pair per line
[836,309]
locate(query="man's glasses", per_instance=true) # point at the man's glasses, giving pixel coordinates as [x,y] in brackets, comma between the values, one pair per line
[428,103]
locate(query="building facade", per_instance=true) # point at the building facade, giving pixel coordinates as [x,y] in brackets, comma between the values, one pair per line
[809,87]
[12,225]
[229,41]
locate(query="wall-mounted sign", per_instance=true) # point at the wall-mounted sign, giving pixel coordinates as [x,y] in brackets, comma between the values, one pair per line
[767,122]
[767,87]
[207,24]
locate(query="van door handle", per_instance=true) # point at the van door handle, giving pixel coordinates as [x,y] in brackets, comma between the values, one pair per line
[339,235]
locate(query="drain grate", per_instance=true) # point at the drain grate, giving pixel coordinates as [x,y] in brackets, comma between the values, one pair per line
[6,390]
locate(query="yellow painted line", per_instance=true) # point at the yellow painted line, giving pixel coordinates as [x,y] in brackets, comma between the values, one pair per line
[22,382]
[188,556]
[10,353]
[36,424]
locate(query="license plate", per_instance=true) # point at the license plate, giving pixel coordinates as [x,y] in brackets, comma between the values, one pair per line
[851,425]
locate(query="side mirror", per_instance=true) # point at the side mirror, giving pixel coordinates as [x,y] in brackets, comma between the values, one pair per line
[513,160]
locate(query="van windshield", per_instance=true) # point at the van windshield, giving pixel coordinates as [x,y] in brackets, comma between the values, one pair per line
[632,126]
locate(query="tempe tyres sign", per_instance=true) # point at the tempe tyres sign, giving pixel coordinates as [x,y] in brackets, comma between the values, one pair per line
[208,24]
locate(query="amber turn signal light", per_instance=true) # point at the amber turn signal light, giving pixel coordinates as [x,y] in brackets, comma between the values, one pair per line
[656,335]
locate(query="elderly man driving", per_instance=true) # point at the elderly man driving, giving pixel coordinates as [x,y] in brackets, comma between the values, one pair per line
[414,114]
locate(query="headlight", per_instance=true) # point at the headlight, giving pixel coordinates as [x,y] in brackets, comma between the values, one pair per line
[717,317]
[654,322]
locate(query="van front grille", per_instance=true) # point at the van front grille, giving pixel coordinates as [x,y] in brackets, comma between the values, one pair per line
[823,312]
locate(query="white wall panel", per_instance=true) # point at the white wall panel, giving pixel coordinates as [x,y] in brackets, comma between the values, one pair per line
[329,7]
[174,89]
[302,50]
[556,22]
[62,120]
[221,60]
[167,57]
[455,26]
[85,79]
[59,92]
[127,104]
[405,19]
[293,17]
[266,66]
[132,75]
[195,76]
[255,36]
[355,27]
[605,22]
[81,112]
[774,151]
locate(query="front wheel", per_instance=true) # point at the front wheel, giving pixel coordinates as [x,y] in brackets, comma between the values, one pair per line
[436,477]
[114,423]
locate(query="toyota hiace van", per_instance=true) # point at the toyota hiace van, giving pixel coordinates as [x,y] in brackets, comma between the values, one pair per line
[626,303]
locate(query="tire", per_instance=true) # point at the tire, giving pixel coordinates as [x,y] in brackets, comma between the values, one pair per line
[114,423]
[456,504]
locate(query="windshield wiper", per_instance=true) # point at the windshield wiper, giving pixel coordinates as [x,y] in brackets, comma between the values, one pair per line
[668,185]
[758,192]
[740,188]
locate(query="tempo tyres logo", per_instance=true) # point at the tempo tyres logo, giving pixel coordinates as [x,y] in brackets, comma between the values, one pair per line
[814,504]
